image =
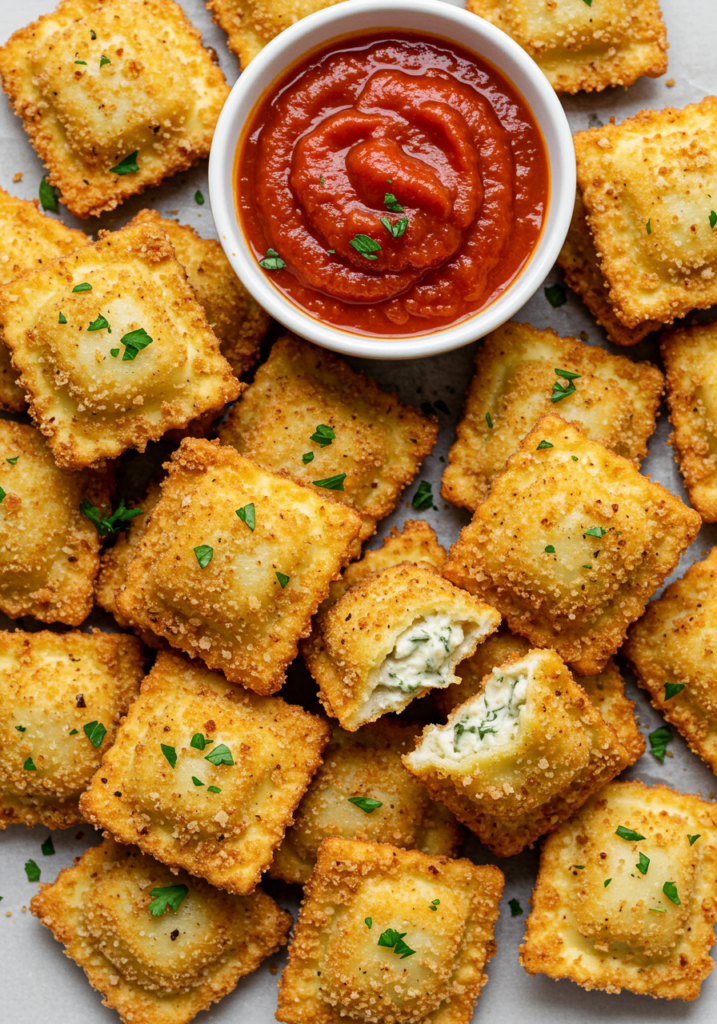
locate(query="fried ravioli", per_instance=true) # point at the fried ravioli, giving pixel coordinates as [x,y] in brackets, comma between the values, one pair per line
[634,911]
[570,544]
[114,97]
[62,696]
[156,968]
[615,403]
[390,935]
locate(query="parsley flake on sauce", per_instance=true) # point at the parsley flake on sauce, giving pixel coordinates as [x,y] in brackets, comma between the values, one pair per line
[128,164]
[366,246]
[29,765]
[272,261]
[628,834]
[95,733]
[100,324]
[220,755]
[544,444]
[515,908]
[670,890]
[134,342]
[643,864]
[247,514]
[32,871]
[84,286]
[48,847]
[391,203]
[555,294]
[204,555]
[396,229]
[423,498]
[323,435]
[170,753]
[168,896]
[658,742]
[392,939]
[199,741]
[283,579]
[331,483]
[48,196]
[672,689]
[365,803]
[108,524]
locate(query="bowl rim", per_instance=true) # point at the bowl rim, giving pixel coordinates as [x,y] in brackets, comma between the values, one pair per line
[466,29]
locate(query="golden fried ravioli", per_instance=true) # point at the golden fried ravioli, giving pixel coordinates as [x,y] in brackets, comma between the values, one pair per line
[251,24]
[113,347]
[521,755]
[114,97]
[616,403]
[648,187]
[62,696]
[233,562]
[204,775]
[362,791]
[581,266]
[673,650]
[160,946]
[578,45]
[49,552]
[571,543]
[393,637]
[691,368]
[236,318]
[311,417]
[625,897]
[27,239]
[390,935]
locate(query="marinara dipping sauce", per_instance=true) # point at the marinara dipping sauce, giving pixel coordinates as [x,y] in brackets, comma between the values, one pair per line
[401,180]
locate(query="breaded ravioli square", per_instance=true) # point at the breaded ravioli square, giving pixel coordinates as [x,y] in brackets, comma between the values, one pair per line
[581,45]
[156,968]
[233,562]
[49,552]
[28,239]
[625,897]
[390,935]
[204,775]
[113,348]
[673,650]
[309,416]
[362,791]
[521,755]
[615,403]
[392,637]
[114,97]
[571,543]
[62,696]
[647,185]
[236,318]
[691,369]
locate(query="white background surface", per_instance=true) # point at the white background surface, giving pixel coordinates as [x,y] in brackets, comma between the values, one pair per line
[38,985]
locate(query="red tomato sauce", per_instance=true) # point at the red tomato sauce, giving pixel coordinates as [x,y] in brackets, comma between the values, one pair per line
[402,180]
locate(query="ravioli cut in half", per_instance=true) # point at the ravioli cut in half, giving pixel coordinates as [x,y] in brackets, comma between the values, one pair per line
[521,755]
[625,896]
[113,348]
[62,696]
[156,968]
[581,45]
[390,935]
[204,775]
[237,592]
[391,638]
[615,402]
[114,97]
[571,543]
[362,791]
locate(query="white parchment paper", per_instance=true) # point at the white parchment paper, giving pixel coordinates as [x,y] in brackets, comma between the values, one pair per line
[38,984]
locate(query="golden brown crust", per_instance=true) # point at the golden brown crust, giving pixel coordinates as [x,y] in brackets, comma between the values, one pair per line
[226,834]
[628,934]
[159,96]
[615,403]
[580,598]
[164,969]
[236,613]
[336,964]
[580,47]
[51,686]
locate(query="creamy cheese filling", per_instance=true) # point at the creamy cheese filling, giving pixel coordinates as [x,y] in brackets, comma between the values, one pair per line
[422,655]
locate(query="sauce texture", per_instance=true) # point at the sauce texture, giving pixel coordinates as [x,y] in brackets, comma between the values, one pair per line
[403,181]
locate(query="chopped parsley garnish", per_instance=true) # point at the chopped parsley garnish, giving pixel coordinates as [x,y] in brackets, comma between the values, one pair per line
[213,789]
[247,514]
[204,555]
[433,905]
[544,444]
[109,524]
[220,755]
[21,728]
[368,921]
[643,864]
[48,196]
[658,742]
[283,579]
[561,391]
[648,226]
[549,549]
[169,896]
[489,420]
[323,435]
[586,567]
[628,833]
[199,742]
[321,179]
[423,498]
[365,803]
[48,847]
[32,871]
[713,219]
[574,458]
[670,890]
[588,2]
[595,531]
[95,733]
[515,908]
[196,781]
[170,753]
[331,483]
[13,460]
[198,198]
[100,324]
[104,60]
[114,352]
[128,165]
[272,261]
[396,229]
[672,689]
[392,939]
[365,246]
[134,342]
[307,457]
[391,203]
[72,732]
[81,62]
[555,294]
[607,882]
[84,286]
[29,765]
[62,319]
[3,495]
[331,250]
[657,910]
[577,867]
[693,839]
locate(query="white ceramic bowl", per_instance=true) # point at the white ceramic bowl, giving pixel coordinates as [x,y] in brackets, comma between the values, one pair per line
[436,18]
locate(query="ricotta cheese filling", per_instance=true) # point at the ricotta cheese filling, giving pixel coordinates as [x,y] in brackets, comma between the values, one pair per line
[422,655]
